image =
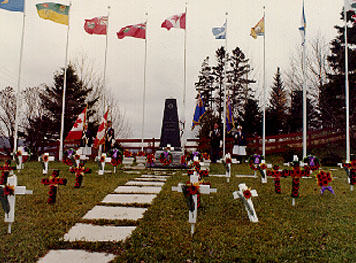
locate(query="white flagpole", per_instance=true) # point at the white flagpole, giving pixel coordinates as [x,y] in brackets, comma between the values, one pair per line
[144,88]
[347,91]
[304,97]
[64,89]
[106,54]
[225,77]
[17,107]
[184,79]
[264,88]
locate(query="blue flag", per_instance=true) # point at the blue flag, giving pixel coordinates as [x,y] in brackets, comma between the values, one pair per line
[303,26]
[199,112]
[12,5]
[229,117]
[219,32]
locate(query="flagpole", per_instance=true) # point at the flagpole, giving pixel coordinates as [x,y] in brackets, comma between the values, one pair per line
[264,87]
[64,89]
[17,106]
[184,79]
[304,97]
[347,99]
[106,55]
[144,88]
[225,77]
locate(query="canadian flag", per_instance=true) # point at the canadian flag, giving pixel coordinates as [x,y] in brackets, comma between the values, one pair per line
[100,135]
[176,21]
[76,132]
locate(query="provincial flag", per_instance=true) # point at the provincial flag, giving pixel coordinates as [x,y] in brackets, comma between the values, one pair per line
[303,26]
[350,5]
[96,25]
[175,21]
[199,112]
[219,32]
[137,31]
[258,29]
[13,5]
[229,116]
[57,13]
[100,135]
[76,132]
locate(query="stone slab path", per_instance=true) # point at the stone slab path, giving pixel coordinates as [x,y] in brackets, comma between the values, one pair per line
[141,190]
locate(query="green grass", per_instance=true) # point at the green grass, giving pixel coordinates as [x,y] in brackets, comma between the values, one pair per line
[317,229]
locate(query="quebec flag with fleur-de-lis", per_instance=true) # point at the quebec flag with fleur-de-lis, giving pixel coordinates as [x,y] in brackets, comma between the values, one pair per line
[12,5]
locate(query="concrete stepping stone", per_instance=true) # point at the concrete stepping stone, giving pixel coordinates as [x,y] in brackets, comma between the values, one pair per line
[150,179]
[129,198]
[144,183]
[94,233]
[75,255]
[115,213]
[154,176]
[138,189]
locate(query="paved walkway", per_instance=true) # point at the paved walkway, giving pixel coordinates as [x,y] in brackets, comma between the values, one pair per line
[141,190]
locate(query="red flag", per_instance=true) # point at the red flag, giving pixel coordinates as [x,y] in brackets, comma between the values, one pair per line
[100,136]
[137,31]
[176,21]
[76,132]
[96,25]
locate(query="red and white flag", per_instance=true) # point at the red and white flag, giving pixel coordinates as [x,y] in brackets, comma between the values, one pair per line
[96,25]
[100,135]
[176,21]
[136,31]
[76,132]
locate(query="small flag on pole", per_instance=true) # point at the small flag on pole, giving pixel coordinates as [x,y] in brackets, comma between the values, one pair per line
[199,112]
[175,21]
[303,26]
[57,13]
[258,29]
[96,25]
[76,132]
[100,136]
[13,5]
[137,31]
[229,116]
[219,32]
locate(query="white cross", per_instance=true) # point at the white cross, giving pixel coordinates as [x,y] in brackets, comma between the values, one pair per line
[228,167]
[82,157]
[45,164]
[105,160]
[19,190]
[19,166]
[203,189]
[247,202]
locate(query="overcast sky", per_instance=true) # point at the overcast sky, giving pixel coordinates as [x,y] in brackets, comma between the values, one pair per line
[45,46]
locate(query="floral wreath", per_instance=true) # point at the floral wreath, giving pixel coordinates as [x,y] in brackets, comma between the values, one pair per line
[189,190]
[150,159]
[312,162]
[141,153]
[116,156]
[127,153]
[4,193]
[255,162]
[166,158]
[206,156]
[20,152]
[323,178]
[68,156]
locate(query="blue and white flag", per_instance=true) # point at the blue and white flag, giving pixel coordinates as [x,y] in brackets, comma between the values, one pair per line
[219,32]
[303,26]
[199,112]
[12,5]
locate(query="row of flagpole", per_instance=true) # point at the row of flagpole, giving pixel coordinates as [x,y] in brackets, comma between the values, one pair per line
[184,84]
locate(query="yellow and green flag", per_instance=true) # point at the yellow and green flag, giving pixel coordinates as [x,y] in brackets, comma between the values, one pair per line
[57,13]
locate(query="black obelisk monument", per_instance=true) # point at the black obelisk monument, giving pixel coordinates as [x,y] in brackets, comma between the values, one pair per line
[170,125]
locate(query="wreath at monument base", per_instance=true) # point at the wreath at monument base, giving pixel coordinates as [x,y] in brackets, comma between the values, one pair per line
[166,158]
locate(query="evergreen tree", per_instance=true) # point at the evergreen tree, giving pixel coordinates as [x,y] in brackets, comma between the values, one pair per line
[47,125]
[252,118]
[276,113]
[204,86]
[219,74]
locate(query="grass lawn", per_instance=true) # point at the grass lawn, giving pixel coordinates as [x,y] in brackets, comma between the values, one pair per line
[317,229]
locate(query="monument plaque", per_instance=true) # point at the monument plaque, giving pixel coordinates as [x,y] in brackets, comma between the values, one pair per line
[170,125]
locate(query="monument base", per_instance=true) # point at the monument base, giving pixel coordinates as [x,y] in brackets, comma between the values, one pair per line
[175,162]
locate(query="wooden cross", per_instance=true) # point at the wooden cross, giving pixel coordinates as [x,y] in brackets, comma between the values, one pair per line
[203,189]
[45,159]
[6,170]
[245,195]
[53,181]
[17,190]
[79,173]
[102,160]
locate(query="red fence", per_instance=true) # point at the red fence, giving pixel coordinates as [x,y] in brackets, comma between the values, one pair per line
[274,144]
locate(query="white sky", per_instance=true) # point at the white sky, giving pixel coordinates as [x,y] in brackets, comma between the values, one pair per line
[45,46]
